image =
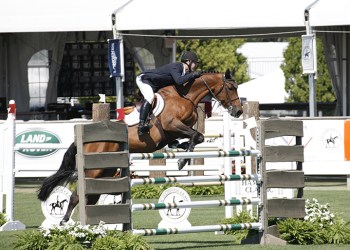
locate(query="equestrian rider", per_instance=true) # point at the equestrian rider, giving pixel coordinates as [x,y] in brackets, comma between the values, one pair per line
[151,81]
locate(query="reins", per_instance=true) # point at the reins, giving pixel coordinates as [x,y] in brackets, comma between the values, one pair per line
[210,91]
[220,90]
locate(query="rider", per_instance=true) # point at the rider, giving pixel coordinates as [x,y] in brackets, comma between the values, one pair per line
[151,81]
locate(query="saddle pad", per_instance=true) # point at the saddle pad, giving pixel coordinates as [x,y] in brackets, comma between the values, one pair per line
[133,118]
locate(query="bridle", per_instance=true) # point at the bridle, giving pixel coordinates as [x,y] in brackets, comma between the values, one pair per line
[220,90]
[229,108]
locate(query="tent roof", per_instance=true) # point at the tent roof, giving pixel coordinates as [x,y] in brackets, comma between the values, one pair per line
[219,16]
[266,89]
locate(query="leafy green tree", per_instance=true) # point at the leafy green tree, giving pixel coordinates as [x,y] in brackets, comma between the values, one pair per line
[218,55]
[296,83]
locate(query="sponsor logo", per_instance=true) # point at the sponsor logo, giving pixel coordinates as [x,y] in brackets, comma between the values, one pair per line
[109,199]
[55,207]
[174,195]
[37,137]
[331,138]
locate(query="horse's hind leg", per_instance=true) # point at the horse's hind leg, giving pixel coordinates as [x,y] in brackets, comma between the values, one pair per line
[196,138]
[73,202]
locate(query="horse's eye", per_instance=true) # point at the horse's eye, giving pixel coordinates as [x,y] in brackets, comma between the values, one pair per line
[232,85]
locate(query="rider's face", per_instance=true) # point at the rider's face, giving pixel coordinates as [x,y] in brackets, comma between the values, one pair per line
[194,66]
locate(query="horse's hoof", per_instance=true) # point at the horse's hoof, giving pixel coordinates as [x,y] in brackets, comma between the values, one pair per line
[63,222]
[173,144]
[184,145]
[181,163]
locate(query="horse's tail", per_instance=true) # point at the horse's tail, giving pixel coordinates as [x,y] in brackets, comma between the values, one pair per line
[66,170]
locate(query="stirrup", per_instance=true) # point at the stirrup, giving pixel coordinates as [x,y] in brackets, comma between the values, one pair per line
[143,128]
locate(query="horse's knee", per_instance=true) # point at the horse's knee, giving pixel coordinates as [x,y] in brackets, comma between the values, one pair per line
[174,144]
[199,138]
[184,145]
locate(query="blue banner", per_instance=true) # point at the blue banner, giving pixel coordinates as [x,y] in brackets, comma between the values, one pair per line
[114,58]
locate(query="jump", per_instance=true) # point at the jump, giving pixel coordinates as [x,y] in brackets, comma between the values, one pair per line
[175,122]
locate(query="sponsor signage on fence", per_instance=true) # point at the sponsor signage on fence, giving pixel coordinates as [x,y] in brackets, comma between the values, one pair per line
[326,142]
[39,162]
[174,217]
[37,136]
[55,207]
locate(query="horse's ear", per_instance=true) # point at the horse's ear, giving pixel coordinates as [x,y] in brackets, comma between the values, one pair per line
[233,72]
[228,74]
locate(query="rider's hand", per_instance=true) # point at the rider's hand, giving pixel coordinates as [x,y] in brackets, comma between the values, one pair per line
[197,74]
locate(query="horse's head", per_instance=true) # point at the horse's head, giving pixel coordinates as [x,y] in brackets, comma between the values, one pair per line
[224,91]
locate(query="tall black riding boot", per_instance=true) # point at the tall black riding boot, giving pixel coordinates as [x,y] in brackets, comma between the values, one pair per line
[144,126]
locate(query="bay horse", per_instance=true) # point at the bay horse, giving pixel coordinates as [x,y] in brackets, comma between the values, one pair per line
[175,122]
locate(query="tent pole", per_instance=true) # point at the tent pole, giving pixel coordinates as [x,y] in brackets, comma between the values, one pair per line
[312,76]
[119,95]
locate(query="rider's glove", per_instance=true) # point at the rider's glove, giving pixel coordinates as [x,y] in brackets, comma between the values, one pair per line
[197,74]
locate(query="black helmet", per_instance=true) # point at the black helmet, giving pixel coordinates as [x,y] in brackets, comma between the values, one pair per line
[189,56]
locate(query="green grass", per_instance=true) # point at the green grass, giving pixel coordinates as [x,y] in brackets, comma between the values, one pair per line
[28,211]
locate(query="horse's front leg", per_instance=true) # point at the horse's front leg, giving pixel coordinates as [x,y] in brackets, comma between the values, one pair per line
[73,202]
[195,139]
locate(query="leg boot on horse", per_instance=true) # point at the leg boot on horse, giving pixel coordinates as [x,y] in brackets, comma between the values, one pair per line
[144,125]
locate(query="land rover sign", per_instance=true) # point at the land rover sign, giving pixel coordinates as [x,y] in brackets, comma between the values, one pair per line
[37,137]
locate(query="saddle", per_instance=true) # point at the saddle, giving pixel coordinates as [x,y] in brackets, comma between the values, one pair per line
[130,115]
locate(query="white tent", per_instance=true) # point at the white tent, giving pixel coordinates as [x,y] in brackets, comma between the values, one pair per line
[266,89]
[85,15]
[27,26]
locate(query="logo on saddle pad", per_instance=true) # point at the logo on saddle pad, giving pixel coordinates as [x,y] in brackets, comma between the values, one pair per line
[133,117]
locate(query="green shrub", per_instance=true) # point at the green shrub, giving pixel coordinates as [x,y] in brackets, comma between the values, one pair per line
[300,232]
[135,242]
[319,226]
[67,242]
[206,190]
[2,219]
[31,240]
[242,217]
[150,191]
[120,241]
[77,237]
[338,232]
[145,192]
[109,242]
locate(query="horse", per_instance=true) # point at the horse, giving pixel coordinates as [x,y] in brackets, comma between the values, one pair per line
[175,122]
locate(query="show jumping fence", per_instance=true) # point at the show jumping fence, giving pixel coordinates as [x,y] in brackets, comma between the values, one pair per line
[281,207]
[117,132]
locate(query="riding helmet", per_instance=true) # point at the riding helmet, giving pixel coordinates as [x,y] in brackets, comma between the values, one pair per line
[189,56]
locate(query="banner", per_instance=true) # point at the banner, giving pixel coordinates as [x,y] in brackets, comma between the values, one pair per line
[114,61]
[307,54]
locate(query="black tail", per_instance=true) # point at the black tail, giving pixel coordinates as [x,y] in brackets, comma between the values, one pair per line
[65,171]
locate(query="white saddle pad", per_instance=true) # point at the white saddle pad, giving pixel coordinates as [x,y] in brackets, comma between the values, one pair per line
[134,117]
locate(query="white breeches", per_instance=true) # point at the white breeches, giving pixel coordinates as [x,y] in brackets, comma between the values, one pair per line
[145,89]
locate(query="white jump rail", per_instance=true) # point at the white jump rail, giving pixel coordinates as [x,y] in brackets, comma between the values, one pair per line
[8,173]
[197,229]
[195,204]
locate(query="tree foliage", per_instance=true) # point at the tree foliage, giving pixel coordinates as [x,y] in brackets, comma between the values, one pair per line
[296,83]
[218,55]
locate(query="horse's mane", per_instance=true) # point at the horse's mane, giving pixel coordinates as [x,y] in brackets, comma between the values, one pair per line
[184,89]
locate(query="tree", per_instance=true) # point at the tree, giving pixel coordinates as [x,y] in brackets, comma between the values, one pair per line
[296,83]
[218,55]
